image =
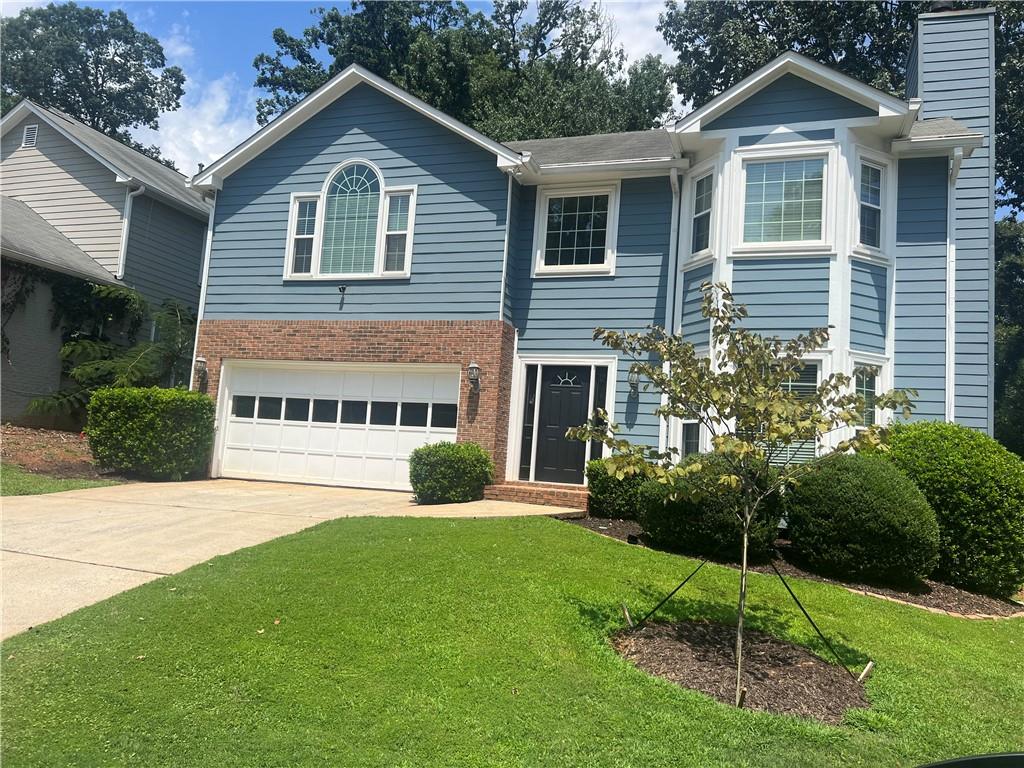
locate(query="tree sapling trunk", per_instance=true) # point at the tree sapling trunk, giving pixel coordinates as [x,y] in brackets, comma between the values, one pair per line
[747,517]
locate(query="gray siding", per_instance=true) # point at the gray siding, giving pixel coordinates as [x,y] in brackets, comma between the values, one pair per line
[789,99]
[74,192]
[33,366]
[558,315]
[868,306]
[459,233]
[165,252]
[784,296]
[920,284]
[957,80]
[695,328]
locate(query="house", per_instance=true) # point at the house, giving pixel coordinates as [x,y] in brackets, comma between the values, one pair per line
[78,202]
[381,276]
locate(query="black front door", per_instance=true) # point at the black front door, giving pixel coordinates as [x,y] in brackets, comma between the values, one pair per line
[564,403]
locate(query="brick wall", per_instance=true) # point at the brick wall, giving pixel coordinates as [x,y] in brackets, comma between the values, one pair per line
[483,416]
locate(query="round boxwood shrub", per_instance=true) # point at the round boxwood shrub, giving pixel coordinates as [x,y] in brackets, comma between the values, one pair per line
[708,526]
[858,516]
[447,473]
[609,496]
[154,433]
[976,488]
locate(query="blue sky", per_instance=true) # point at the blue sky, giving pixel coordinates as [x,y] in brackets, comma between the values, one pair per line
[215,43]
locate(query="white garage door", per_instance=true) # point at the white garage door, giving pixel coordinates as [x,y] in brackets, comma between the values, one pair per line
[352,426]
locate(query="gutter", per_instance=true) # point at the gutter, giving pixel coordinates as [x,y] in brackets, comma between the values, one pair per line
[202,291]
[126,224]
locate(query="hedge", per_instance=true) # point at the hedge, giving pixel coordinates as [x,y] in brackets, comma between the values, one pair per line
[861,517]
[976,488]
[447,473]
[609,496]
[153,433]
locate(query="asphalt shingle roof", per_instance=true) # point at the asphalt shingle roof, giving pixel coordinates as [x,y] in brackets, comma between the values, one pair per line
[597,148]
[938,126]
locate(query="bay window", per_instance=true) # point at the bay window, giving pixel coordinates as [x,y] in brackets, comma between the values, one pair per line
[870,205]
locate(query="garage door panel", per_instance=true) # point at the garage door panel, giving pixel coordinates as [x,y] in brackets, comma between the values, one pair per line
[266,435]
[323,439]
[292,464]
[264,462]
[378,442]
[320,466]
[237,460]
[294,437]
[352,440]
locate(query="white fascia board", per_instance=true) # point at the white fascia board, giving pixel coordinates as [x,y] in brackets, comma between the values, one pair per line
[797,64]
[968,142]
[338,86]
[611,169]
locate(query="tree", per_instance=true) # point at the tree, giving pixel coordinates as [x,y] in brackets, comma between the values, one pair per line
[742,395]
[720,43]
[1009,311]
[559,75]
[96,67]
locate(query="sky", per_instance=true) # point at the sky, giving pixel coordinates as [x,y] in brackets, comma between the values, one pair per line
[215,43]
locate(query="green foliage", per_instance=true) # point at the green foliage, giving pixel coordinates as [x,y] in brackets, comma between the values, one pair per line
[15,481]
[158,434]
[1009,346]
[976,488]
[611,496]
[93,65]
[718,44]
[449,473]
[708,520]
[508,77]
[859,516]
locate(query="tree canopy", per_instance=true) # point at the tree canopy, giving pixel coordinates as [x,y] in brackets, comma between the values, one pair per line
[95,66]
[559,74]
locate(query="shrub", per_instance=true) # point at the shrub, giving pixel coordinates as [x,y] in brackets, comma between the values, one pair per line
[708,526]
[859,516]
[609,496]
[158,434]
[446,473]
[976,488]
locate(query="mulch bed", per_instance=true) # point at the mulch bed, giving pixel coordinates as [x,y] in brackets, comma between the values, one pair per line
[780,677]
[928,594]
[48,451]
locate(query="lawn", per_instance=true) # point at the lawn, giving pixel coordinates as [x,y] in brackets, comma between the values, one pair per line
[472,643]
[15,481]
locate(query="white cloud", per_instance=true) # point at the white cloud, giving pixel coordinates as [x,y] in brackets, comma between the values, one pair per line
[176,45]
[636,27]
[14,7]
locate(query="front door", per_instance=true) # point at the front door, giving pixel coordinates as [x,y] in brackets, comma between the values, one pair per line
[564,403]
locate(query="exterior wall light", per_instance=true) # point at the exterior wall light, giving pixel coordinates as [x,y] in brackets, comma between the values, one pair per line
[634,381]
[473,374]
[202,374]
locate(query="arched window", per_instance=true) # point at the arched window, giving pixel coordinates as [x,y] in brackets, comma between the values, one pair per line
[351,209]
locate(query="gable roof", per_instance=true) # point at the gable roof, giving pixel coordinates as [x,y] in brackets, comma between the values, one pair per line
[353,75]
[127,163]
[28,237]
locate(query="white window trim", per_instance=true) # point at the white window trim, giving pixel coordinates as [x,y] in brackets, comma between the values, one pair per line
[378,261]
[829,151]
[703,171]
[887,232]
[540,231]
[25,142]
[883,380]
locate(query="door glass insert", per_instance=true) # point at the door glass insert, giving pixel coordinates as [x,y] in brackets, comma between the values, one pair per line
[444,415]
[383,413]
[269,408]
[414,415]
[243,406]
[296,409]
[353,411]
[325,411]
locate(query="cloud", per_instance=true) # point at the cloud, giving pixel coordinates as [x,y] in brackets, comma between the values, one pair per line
[14,7]
[176,45]
[636,27]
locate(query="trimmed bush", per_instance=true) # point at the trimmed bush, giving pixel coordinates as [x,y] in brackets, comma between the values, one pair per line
[859,516]
[710,526]
[609,496]
[976,488]
[447,473]
[154,433]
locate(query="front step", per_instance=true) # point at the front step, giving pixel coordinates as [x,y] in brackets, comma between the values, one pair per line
[572,497]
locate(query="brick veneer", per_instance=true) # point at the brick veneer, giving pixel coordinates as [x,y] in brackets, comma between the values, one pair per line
[483,416]
[568,496]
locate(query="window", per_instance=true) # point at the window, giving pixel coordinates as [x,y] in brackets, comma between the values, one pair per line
[383,413]
[243,406]
[396,234]
[576,230]
[444,415]
[303,236]
[784,201]
[325,411]
[806,383]
[866,382]
[351,207]
[691,438]
[701,214]
[296,409]
[414,415]
[269,408]
[353,411]
[29,135]
[870,205]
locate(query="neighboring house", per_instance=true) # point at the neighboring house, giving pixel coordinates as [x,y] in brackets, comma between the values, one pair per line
[372,256]
[132,218]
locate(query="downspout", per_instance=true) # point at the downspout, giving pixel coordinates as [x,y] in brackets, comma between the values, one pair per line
[202,290]
[504,257]
[673,276]
[125,225]
[951,209]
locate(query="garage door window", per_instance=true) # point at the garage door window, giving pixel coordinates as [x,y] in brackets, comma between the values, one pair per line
[444,415]
[243,406]
[414,415]
[353,411]
[325,411]
[383,413]
[269,408]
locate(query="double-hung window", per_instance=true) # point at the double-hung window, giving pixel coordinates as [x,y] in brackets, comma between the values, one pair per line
[576,230]
[784,201]
[865,382]
[804,385]
[870,205]
[356,227]
[702,196]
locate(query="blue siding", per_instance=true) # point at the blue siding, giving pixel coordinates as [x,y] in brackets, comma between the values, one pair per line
[913,86]
[920,284]
[788,137]
[957,80]
[789,99]
[558,315]
[784,296]
[695,328]
[165,252]
[459,233]
[868,306]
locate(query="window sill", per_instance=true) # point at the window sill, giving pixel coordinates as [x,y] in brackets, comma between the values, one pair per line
[796,248]
[699,259]
[344,278]
[870,254]
[595,272]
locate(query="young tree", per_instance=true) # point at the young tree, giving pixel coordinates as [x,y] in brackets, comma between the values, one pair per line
[95,66]
[742,395]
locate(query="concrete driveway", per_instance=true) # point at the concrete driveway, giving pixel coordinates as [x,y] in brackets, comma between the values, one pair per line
[63,551]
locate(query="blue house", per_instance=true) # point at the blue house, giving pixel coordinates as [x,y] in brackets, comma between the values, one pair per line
[379,276]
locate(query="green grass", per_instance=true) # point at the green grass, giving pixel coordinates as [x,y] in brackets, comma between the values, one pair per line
[473,643]
[15,481]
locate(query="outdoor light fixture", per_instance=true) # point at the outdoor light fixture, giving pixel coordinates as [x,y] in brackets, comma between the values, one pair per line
[202,374]
[634,381]
[473,374]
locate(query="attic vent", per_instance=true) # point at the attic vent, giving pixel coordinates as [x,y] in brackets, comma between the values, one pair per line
[28,138]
